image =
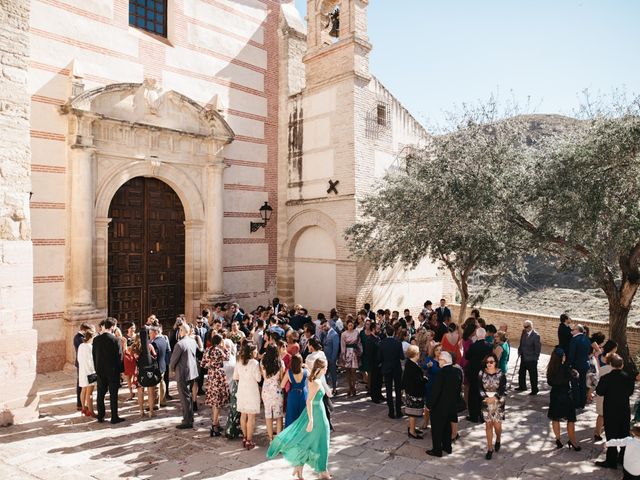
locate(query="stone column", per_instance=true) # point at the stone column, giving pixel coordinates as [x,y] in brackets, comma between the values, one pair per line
[214,214]
[101,246]
[82,225]
[81,306]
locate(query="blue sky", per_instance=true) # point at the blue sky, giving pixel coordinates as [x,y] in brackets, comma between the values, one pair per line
[434,54]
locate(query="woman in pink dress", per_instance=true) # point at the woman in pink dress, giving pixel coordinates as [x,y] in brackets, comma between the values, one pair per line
[351,349]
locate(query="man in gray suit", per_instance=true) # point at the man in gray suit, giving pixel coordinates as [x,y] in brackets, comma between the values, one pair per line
[185,366]
[529,351]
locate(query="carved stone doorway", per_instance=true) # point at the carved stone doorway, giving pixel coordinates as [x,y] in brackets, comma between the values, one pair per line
[146,259]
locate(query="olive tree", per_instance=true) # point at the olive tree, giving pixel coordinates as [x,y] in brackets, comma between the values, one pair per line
[436,206]
[583,203]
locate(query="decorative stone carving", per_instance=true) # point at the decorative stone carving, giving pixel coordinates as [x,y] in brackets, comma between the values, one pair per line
[125,130]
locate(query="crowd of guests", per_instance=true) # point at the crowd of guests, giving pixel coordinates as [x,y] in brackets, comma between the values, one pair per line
[285,363]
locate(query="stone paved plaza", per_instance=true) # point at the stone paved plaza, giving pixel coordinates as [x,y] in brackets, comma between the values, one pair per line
[366,445]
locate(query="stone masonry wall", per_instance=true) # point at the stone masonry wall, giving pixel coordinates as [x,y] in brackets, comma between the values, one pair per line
[18,339]
[545,325]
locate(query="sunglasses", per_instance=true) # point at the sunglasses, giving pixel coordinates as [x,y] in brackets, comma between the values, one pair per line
[490,362]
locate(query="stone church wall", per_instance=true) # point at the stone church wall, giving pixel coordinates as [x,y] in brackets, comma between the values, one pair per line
[18,339]
[221,53]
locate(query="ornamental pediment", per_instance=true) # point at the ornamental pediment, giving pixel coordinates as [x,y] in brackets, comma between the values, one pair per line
[146,104]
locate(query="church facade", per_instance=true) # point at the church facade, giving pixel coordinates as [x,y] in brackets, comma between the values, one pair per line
[145,137]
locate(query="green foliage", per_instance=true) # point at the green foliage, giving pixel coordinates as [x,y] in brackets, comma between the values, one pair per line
[439,204]
[498,185]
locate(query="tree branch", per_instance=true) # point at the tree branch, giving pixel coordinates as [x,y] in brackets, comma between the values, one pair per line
[522,222]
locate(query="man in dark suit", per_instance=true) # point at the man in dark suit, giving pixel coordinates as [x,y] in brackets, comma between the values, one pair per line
[374,369]
[107,359]
[78,339]
[476,353]
[616,387]
[184,364]
[368,312]
[564,332]
[200,331]
[529,352]
[236,314]
[443,405]
[389,355]
[579,351]
[443,311]
[163,354]
[300,318]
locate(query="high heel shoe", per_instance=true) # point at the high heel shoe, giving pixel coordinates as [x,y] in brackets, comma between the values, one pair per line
[558,443]
[496,447]
[211,431]
[577,448]
[489,454]
[454,439]
[597,438]
[417,436]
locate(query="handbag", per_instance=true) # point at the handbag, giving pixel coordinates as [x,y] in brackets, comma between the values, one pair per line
[92,378]
[149,375]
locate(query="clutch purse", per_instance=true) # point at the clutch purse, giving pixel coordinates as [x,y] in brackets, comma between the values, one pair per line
[92,378]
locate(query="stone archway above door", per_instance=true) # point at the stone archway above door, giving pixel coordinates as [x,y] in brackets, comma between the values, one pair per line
[120,131]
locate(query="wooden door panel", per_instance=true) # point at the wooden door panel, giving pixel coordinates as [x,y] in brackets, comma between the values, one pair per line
[146,252]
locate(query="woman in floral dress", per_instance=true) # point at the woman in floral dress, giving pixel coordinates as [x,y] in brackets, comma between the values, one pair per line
[493,389]
[217,387]
[351,349]
[272,371]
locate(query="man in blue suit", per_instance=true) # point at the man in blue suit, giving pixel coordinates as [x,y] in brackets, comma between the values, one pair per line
[163,351]
[331,348]
[579,351]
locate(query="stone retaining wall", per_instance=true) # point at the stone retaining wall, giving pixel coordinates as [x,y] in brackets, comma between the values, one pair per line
[546,325]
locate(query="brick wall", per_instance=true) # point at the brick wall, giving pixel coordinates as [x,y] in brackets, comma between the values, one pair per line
[18,401]
[545,325]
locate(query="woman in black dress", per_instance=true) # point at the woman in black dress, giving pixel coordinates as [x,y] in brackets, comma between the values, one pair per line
[561,406]
[413,383]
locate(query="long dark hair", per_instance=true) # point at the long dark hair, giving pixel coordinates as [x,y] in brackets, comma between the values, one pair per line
[555,363]
[271,361]
[469,330]
[246,352]
[296,364]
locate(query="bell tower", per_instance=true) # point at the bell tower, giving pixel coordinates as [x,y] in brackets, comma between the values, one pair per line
[337,41]
[329,160]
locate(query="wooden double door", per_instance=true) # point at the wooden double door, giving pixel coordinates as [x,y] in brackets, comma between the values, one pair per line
[146,252]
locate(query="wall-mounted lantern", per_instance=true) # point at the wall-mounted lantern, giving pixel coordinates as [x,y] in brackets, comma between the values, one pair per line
[265,214]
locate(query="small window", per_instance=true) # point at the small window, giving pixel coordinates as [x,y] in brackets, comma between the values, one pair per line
[382,115]
[149,15]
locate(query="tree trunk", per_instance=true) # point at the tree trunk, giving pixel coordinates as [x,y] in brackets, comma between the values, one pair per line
[620,299]
[618,328]
[464,298]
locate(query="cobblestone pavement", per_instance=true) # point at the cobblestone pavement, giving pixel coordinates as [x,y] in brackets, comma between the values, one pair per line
[366,445]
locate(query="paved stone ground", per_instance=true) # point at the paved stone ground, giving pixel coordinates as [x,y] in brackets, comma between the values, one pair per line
[366,445]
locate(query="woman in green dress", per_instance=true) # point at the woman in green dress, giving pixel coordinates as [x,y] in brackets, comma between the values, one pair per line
[306,441]
[502,351]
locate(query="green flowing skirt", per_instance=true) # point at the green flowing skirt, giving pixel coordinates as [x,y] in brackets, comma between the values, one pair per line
[300,447]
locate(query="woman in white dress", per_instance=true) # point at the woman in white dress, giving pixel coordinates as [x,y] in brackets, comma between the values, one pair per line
[248,375]
[86,368]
